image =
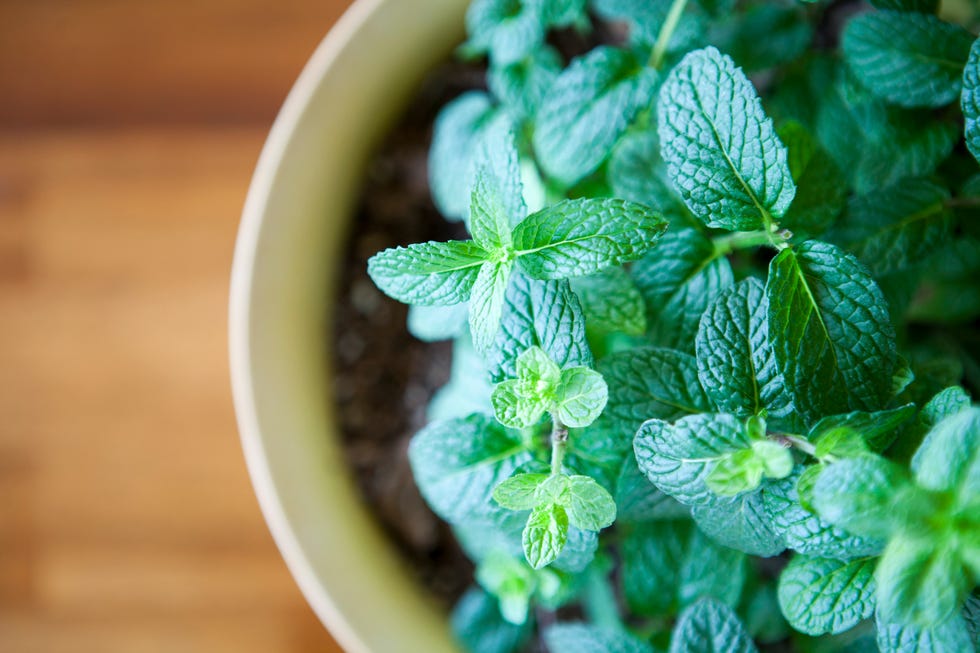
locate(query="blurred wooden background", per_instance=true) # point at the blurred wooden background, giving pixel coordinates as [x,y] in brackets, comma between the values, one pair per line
[128,132]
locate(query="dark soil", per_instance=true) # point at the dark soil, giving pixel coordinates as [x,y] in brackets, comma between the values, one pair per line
[385,377]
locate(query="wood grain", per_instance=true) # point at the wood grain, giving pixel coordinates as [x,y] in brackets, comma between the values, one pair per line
[128,133]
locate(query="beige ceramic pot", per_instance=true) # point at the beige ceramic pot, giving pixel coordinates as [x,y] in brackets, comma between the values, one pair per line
[291,237]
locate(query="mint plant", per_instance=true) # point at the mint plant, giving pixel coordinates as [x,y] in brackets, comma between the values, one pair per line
[714,328]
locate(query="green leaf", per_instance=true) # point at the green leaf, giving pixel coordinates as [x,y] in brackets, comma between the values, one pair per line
[735,473]
[579,552]
[581,396]
[496,202]
[508,30]
[645,20]
[945,403]
[545,534]
[860,494]
[457,136]
[907,638]
[678,458]
[678,280]
[821,189]
[587,109]
[970,100]
[511,582]
[582,638]
[487,302]
[830,330]
[611,302]
[709,626]
[895,228]
[740,523]
[458,462]
[736,364]
[710,571]
[920,581]
[468,390]
[636,172]
[637,499]
[878,430]
[578,237]
[923,6]
[521,86]
[428,273]
[807,533]
[542,314]
[823,595]
[477,624]
[909,59]
[588,504]
[519,492]
[722,152]
[764,36]
[539,376]
[647,382]
[434,323]
[949,457]
[513,408]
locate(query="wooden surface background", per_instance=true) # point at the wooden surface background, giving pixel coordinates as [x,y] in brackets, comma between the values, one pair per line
[128,133]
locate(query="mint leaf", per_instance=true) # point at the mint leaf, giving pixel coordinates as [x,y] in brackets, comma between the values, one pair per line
[736,364]
[805,532]
[949,456]
[513,408]
[678,280]
[821,189]
[764,36]
[477,624]
[722,152]
[545,534]
[824,595]
[830,330]
[521,86]
[920,581]
[945,403]
[582,638]
[647,382]
[428,273]
[581,396]
[458,462]
[740,523]
[894,228]
[508,30]
[487,302]
[638,500]
[496,203]
[434,323]
[578,237]
[645,20]
[678,458]
[859,495]
[907,638]
[542,314]
[468,390]
[588,504]
[611,301]
[636,172]
[909,59]
[457,134]
[709,626]
[587,109]
[877,429]
[970,100]
[519,492]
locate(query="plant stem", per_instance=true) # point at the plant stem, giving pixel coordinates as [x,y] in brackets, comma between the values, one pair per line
[799,442]
[666,31]
[598,599]
[559,443]
[746,239]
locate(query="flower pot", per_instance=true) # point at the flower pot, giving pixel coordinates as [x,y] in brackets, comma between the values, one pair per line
[292,233]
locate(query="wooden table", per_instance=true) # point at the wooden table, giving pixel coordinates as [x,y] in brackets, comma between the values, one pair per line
[128,132]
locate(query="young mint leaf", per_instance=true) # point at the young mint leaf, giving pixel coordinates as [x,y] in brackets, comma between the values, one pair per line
[923,6]
[830,330]
[611,301]
[588,504]
[909,59]
[542,314]
[545,534]
[578,237]
[944,404]
[487,302]
[920,581]
[521,86]
[821,189]
[736,364]
[735,473]
[949,457]
[709,626]
[722,152]
[824,595]
[582,638]
[908,638]
[636,172]
[970,100]
[860,495]
[508,30]
[519,492]
[877,429]
[678,280]
[539,375]
[648,382]
[740,523]
[587,109]
[511,582]
[428,273]
[434,323]
[638,500]
[764,36]
[678,458]
[581,396]
[513,408]
[477,624]
[496,201]
[457,134]
[807,533]
[457,463]
[894,228]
